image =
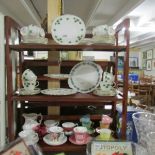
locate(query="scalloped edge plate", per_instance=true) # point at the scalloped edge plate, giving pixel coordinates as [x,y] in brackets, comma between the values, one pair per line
[85,77]
[68,30]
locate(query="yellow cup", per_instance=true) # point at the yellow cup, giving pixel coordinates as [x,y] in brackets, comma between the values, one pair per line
[105,134]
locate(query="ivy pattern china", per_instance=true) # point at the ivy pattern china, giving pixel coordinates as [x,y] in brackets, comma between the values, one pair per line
[68,30]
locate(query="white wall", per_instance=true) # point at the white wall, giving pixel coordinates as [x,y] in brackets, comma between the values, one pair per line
[144,49]
[2,83]
[98,55]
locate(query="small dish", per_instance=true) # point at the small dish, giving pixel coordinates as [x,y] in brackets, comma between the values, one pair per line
[47,140]
[72,140]
[22,91]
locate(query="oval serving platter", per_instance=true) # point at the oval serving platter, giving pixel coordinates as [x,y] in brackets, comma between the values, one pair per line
[58,91]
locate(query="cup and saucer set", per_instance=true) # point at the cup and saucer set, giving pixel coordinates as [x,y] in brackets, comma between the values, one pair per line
[86,122]
[57,135]
[107,86]
[80,136]
[30,83]
[105,134]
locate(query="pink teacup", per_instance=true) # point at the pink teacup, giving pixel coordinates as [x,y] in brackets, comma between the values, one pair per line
[80,134]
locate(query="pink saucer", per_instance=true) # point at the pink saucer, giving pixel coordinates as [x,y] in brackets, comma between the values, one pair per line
[72,140]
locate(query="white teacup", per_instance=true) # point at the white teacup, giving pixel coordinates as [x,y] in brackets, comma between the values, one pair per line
[30,85]
[29,75]
[108,77]
[29,136]
[50,123]
[56,133]
[106,86]
[100,30]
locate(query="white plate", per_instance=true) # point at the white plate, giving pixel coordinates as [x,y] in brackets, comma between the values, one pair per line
[85,77]
[58,91]
[22,91]
[100,92]
[68,30]
[57,76]
[47,140]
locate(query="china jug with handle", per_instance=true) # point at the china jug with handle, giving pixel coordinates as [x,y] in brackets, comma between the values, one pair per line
[32,120]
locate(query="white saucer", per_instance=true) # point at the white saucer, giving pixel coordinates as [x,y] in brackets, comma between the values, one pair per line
[47,140]
[22,91]
[72,140]
[100,92]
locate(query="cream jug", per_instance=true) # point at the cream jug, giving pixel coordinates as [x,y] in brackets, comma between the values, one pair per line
[31,121]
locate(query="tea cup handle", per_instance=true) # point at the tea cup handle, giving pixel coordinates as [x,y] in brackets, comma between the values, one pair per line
[115,85]
[37,83]
[41,118]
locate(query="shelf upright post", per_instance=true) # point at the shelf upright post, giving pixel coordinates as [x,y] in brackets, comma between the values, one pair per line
[124,26]
[10,26]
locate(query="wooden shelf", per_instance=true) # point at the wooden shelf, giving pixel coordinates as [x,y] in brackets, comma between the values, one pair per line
[57,48]
[15,62]
[69,100]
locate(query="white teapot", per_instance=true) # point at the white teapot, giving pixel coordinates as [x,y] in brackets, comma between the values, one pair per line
[31,121]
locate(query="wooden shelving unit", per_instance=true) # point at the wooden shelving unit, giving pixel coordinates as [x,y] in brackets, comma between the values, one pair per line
[15,63]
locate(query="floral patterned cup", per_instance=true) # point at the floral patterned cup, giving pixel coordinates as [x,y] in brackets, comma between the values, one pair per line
[56,133]
[80,134]
[30,85]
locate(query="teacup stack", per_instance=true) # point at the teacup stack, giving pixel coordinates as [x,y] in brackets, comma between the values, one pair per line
[104,34]
[29,80]
[107,83]
[105,121]
[104,131]
[86,122]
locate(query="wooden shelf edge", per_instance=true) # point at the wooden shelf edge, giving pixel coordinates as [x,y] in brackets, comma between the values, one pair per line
[70,99]
[67,147]
[57,47]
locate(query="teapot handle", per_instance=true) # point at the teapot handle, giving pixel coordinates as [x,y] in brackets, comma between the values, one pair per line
[41,118]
